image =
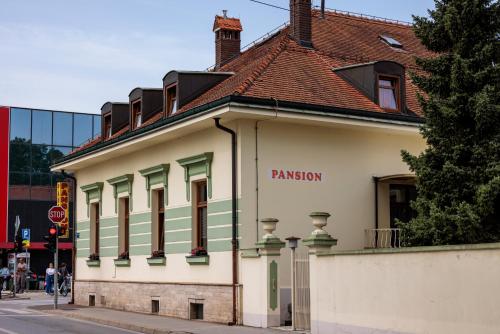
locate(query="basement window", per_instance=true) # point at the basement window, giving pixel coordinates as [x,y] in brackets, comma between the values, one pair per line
[171,94]
[196,311]
[136,114]
[107,127]
[391,41]
[388,92]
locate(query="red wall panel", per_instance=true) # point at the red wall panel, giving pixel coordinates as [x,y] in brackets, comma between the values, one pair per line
[4,171]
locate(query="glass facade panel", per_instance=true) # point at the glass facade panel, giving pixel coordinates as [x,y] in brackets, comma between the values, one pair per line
[20,123]
[42,127]
[40,159]
[97,126]
[63,124]
[57,152]
[83,129]
[19,156]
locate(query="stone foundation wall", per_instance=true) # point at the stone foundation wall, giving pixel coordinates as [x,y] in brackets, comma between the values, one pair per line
[175,298]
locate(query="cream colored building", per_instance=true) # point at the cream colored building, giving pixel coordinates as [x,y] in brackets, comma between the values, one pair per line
[315,130]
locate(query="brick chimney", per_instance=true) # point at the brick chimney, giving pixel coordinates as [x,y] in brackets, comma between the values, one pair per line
[227,39]
[300,21]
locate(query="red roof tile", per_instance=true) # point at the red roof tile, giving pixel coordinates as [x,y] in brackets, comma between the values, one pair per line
[227,23]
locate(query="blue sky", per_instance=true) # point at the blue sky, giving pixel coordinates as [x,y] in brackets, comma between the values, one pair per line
[76,55]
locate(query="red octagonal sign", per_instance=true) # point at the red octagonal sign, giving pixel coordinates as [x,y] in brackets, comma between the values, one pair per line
[57,214]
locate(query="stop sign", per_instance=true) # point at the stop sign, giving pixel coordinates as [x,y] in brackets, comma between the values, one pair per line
[57,214]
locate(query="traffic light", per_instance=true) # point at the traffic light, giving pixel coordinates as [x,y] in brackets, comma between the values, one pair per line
[51,239]
[18,244]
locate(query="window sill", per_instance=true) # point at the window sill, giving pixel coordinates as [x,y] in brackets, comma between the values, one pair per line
[122,262]
[157,261]
[93,263]
[198,260]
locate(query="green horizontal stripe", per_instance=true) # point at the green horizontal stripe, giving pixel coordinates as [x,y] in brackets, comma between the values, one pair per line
[219,246]
[107,222]
[82,244]
[84,235]
[82,253]
[219,233]
[178,248]
[178,224]
[221,206]
[83,225]
[183,211]
[108,232]
[109,252]
[178,236]
[223,219]
[140,250]
[109,242]
[140,239]
[140,218]
[143,228]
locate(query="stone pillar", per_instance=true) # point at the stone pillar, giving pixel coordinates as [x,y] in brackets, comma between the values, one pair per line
[319,240]
[261,288]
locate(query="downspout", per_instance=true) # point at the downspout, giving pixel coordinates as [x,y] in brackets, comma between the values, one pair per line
[234,239]
[73,246]
[375,179]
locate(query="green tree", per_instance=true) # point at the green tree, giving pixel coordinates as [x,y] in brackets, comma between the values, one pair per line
[458,175]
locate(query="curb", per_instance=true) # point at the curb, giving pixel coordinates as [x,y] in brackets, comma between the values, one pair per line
[112,323]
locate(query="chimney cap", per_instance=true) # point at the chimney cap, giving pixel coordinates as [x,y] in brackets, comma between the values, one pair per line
[227,23]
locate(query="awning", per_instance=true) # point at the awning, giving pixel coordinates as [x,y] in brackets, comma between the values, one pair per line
[397,178]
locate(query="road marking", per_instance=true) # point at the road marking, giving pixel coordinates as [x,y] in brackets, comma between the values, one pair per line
[6,331]
[15,311]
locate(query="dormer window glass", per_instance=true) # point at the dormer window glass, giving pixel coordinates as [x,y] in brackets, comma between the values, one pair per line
[388,92]
[107,127]
[171,100]
[391,41]
[136,114]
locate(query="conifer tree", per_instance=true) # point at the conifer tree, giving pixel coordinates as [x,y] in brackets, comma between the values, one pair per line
[458,174]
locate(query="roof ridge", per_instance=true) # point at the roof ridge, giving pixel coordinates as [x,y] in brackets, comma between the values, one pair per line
[263,66]
[364,17]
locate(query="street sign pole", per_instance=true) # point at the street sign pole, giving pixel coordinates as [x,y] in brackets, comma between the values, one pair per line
[56,266]
[16,230]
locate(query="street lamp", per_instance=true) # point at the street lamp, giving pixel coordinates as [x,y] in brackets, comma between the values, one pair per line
[292,244]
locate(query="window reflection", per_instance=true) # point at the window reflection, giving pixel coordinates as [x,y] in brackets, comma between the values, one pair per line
[20,155]
[42,127]
[40,159]
[63,125]
[83,129]
[20,123]
[97,126]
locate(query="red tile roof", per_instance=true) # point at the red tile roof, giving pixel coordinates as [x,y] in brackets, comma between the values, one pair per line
[279,68]
[227,23]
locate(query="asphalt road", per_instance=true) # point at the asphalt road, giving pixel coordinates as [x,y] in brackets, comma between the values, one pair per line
[16,318]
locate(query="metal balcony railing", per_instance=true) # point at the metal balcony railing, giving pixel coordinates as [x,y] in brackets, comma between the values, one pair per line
[383,238]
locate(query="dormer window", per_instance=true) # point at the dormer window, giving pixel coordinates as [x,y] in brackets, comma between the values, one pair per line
[107,127]
[388,92]
[136,114]
[171,102]
[391,41]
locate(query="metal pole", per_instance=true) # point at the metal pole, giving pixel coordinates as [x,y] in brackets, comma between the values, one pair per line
[15,274]
[293,289]
[56,266]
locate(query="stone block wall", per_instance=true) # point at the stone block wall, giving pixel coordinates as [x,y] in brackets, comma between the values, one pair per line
[174,298]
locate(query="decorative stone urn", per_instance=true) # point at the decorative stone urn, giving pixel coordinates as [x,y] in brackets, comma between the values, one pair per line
[269,226]
[319,221]
[319,240]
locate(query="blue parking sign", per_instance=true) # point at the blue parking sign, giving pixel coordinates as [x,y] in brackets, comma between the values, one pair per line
[26,234]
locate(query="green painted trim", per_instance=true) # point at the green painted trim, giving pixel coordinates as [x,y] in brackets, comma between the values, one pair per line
[144,217]
[178,236]
[157,261]
[198,260]
[178,224]
[143,228]
[136,240]
[108,252]
[422,249]
[219,233]
[83,225]
[150,173]
[108,222]
[108,232]
[93,190]
[140,250]
[192,167]
[273,285]
[178,212]
[319,240]
[122,262]
[82,253]
[93,263]
[219,246]
[181,248]
[126,179]
[250,253]
[270,243]
[222,219]
[220,206]
[109,242]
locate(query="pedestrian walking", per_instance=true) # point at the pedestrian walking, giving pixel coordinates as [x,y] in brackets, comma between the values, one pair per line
[5,277]
[21,276]
[49,279]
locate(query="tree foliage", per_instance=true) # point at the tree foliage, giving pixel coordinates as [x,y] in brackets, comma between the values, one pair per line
[458,175]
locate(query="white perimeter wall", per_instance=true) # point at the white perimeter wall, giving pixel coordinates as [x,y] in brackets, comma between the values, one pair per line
[452,291]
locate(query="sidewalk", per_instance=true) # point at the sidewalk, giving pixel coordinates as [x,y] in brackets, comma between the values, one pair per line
[150,324]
